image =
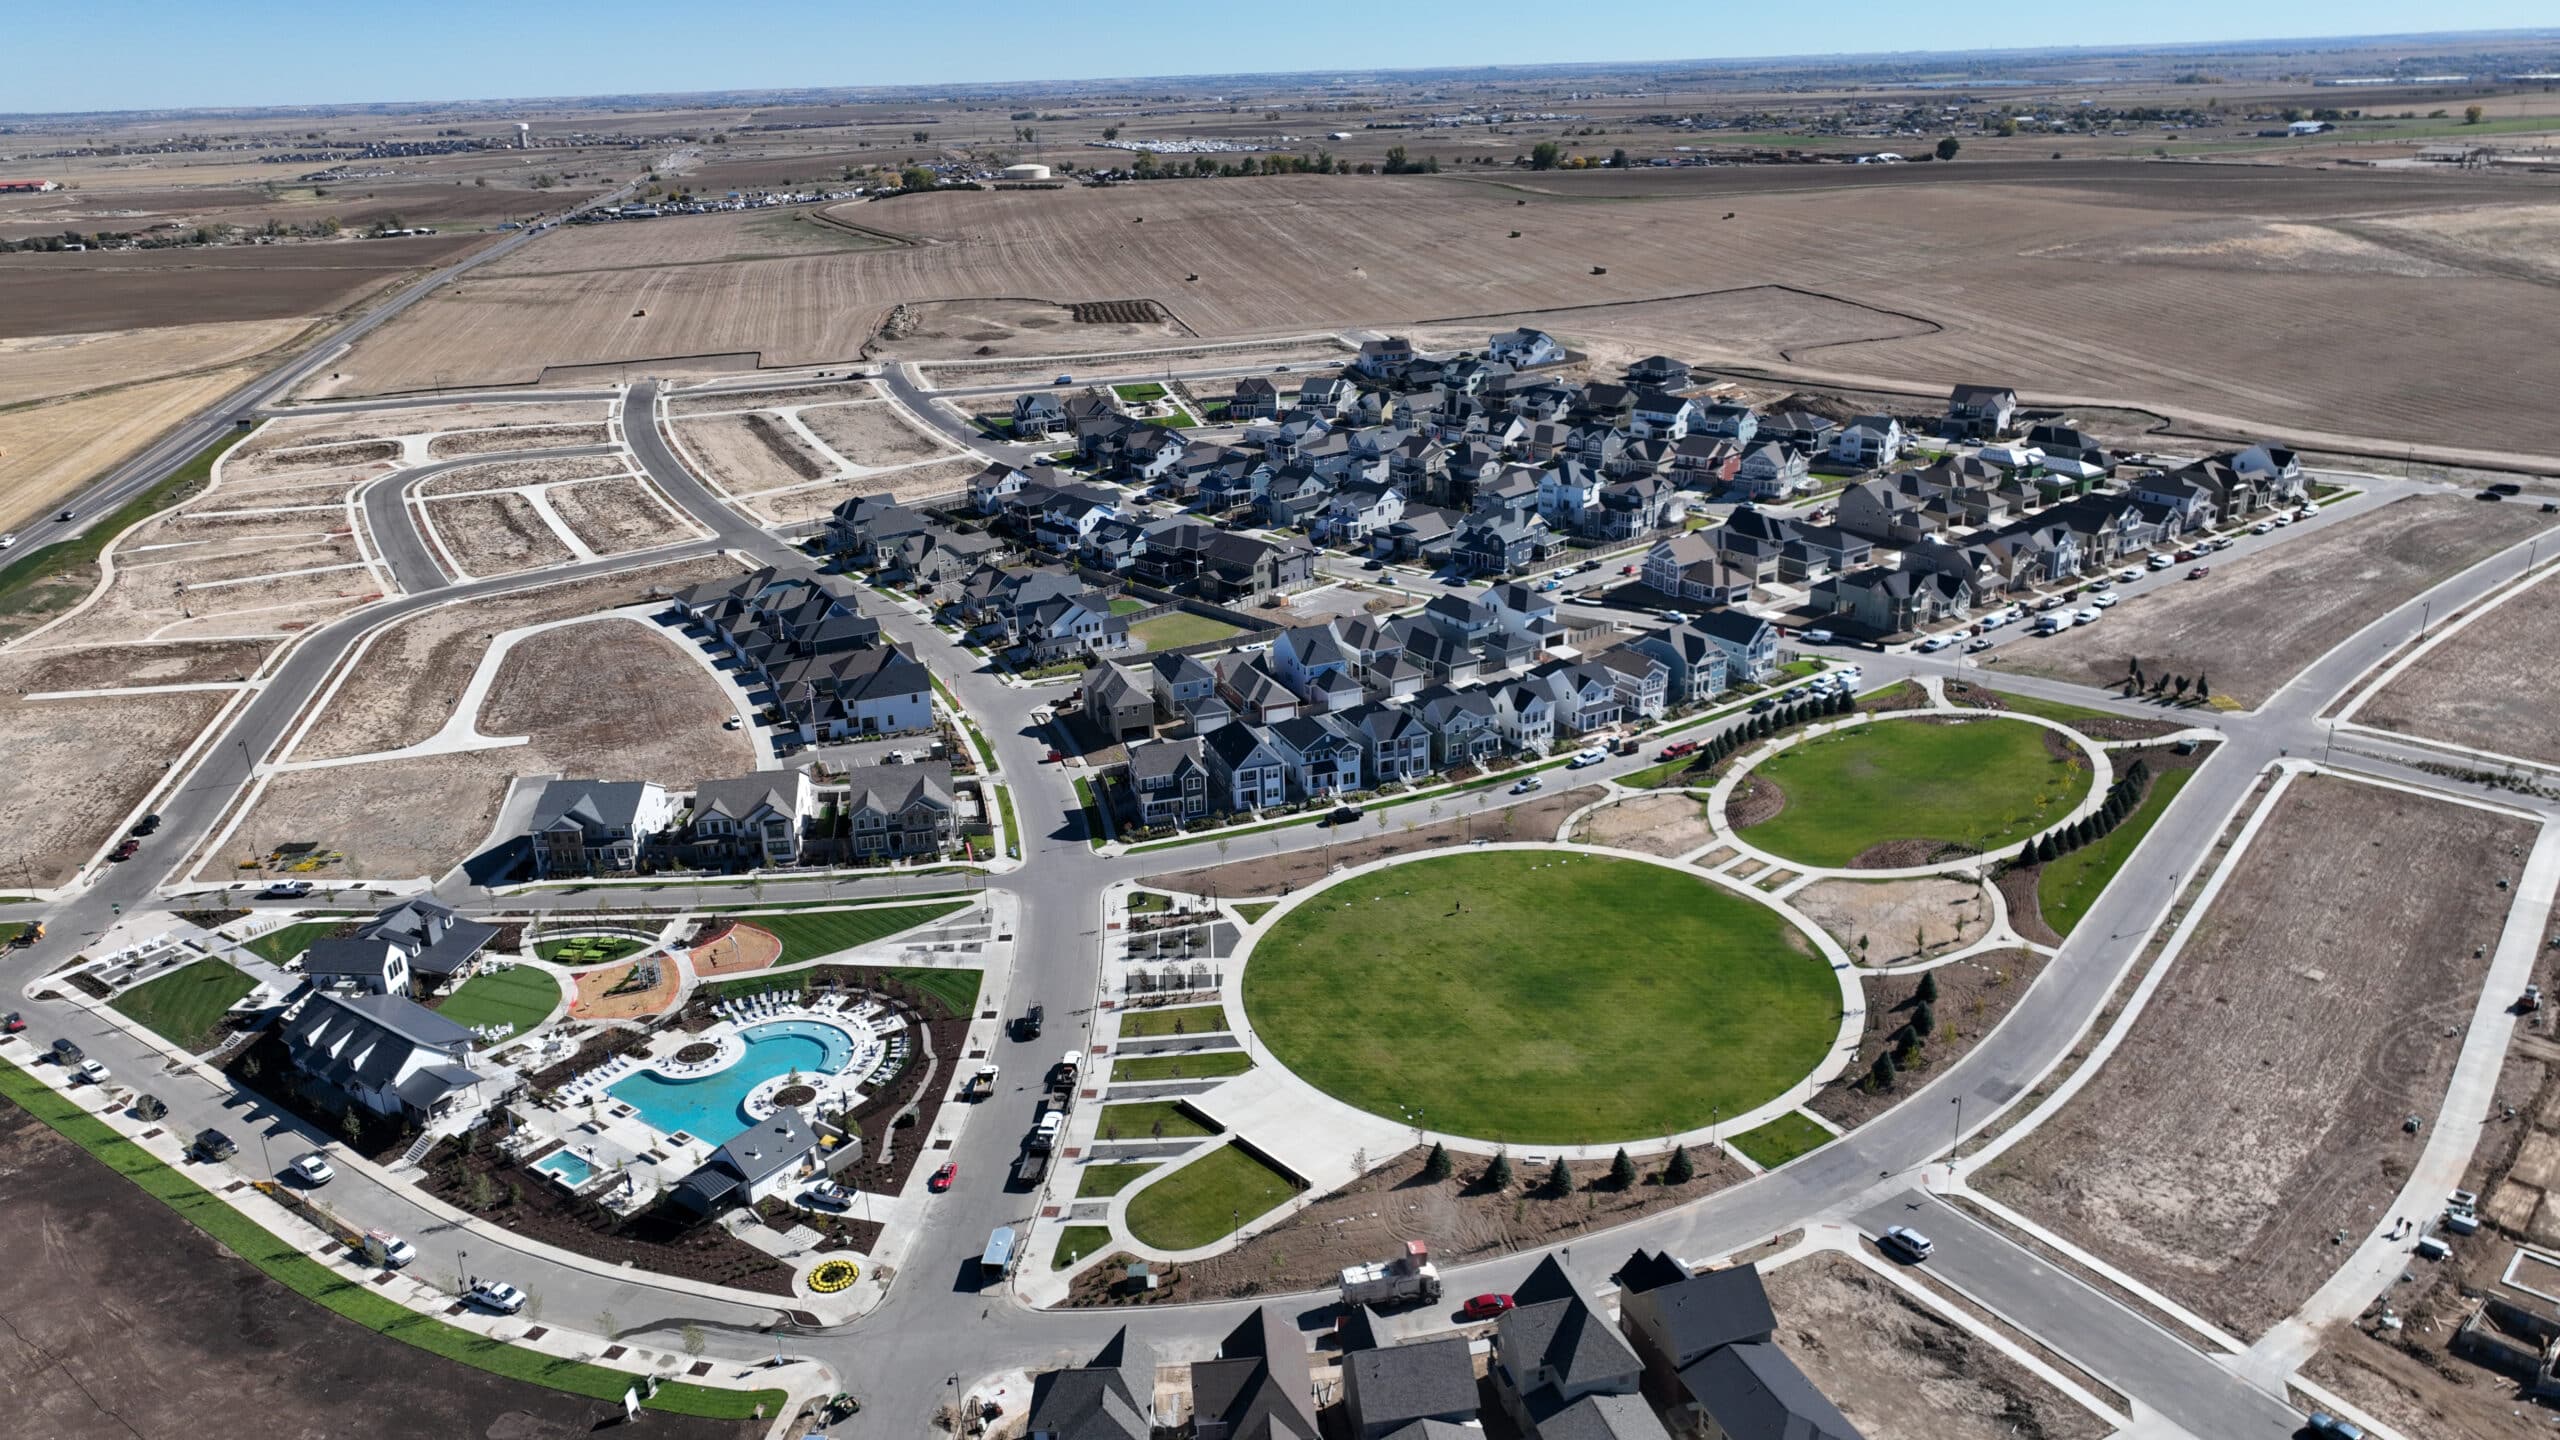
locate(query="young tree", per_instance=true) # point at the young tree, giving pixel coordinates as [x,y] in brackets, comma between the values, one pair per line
[1497,1176]
[2202,694]
[1924,1018]
[1927,994]
[1545,155]
[1682,1169]
[1435,1167]
[1559,1181]
[1622,1171]
[2471,114]
[1880,1075]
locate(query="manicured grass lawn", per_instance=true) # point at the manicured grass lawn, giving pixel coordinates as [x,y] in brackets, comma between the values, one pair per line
[1077,1241]
[1173,1020]
[1123,605]
[523,997]
[1176,628]
[1108,1179]
[1141,1119]
[2057,710]
[811,934]
[1205,1199]
[277,946]
[955,988]
[2069,886]
[1781,1140]
[1214,1064]
[1537,997]
[1142,393]
[185,1007]
[589,949]
[1012,831]
[344,1291]
[1148,902]
[1252,910]
[1981,784]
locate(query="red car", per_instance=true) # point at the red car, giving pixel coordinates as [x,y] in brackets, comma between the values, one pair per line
[126,851]
[2199,572]
[1054,757]
[1484,1307]
[943,1177]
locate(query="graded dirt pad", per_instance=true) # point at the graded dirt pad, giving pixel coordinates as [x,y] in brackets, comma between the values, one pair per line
[97,758]
[686,240]
[34,672]
[143,603]
[307,428]
[615,516]
[494,534]
[912,484]
[1654,824]
[2489,685]
[410,676]
[772,398]
[973,329]
[743,454]
[50,450]
[2256,1105]
[1901,1371]
[1358,844]
[1894,918]
[39,367]
[293,460]
[446,804]
[2302,597]
[872,435]
[1974,994]
[512,474]
[607,994]
[615,697]
[175,1335]
[743,948]
[530,437]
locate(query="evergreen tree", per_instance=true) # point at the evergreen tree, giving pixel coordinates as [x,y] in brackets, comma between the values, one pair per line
[1927,994]
[2044,849]
[1924,1018]
[1436,1167]
[1682,1169]
[2202,694]
[1559,1181]
[1905,1040]
[1497,1176]
[1880,1075]
[1622,1172]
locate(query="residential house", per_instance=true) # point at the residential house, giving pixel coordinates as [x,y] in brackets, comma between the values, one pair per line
[2188,491]
[1711,1368]
[2031,553]
[1523,348]
[1661,415]
[596,827]
[1110,1397]
[1749,643]
[1642,680]
[1295,495]
[1888,510]
[1260,1387]
[1179,684]
[1490,544]
[881,691]
[2064,444]
[1465,729]
[754,822]
[1303,656]
[1246,768]
[1869,442]
[1629,509]
[1255,398]
[1567,492]
[1358,511]
[768,619]
[2110,527]
[1689,566]
[1553,1352]
[1770,471]
[1038,413]
[756,1164]
[1586,696]
[1801,431]
[1322,755]
[1522,612]
[1169,781]
[864,533]
[1881,601]
[898,812]
[991,487]
[1425,533]
[1384,359]
[1250,691]
[1325,396]
[1120,699]
[1386,1388]
[1068,626]
[1981,412]
[1694,665]
[1660,371]
[1394,743]
[384,1054]
[1725,420]
[1524,714]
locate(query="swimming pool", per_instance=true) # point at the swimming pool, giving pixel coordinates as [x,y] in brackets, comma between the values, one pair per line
[571,1169]
[708,1107]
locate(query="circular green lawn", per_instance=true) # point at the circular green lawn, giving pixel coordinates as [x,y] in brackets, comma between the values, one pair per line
[1542,997]
[1919,785]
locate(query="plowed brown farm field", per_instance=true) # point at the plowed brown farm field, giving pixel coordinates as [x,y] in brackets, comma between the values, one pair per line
[2095,280]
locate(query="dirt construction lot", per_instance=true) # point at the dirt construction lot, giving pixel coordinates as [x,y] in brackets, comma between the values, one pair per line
[2302,597]
[1655,824]
[2255,1107]
[873,436]
[89,787]
[614,516]
[1889,922]
[173,1335]
[494,534]
[743,454]
[2489,685]
[1904,1372]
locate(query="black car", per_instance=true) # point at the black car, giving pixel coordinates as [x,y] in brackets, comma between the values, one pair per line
[1343,815]
[1028,1027]
[146,824]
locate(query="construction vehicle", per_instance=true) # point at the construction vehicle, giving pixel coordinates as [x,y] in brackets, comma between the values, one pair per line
[981,1085]
[1029,1168]
[1409,1278]
[31,933]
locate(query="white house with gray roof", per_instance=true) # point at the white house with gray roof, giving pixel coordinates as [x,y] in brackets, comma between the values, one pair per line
[753,822]
[596,827]
[386,1053]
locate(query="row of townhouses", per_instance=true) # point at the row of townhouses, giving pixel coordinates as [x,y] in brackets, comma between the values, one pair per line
[768,820]
[803,639]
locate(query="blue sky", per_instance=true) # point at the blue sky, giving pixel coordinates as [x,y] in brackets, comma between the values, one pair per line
[131,54]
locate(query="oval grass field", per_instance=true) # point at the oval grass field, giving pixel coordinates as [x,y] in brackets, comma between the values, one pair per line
[1983,785]
[1542,997]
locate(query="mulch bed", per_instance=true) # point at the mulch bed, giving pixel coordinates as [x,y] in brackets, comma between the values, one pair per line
[1973,995]
[659,1239]
[876,1117]
[2113,727]
[2026,908]
[1906,696]
[1753,802]
[210,919]
[792,1096]
[696,1053]
[1903,854]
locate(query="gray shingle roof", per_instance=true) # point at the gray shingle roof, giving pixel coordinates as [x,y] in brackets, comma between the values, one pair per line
[1753,1390]
[1411,1381]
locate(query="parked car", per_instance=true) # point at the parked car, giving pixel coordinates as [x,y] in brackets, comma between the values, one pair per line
[1590,756]
[1816,637]
[389,1250]
[1343,815]
[1675,617]
[1678,750]
[943,1177]
[1981,644]
[1485,1307]
[311,1169]
[2160,562]
[126,851]
[1906,1242]
[1933,644]
[286,890]
[2129,573]
[2199,572]
[1527,783]
[2053,602]
[2262,527]
[2104,599]
[2086,617]
[1027,1026]
[497,1295]
[2325,1426]
[211,1145]
[827,1195]
[91,1072]
[2282,521]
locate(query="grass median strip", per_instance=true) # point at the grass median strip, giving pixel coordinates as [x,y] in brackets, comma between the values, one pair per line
[1210,1197]
[344,1293]
[1782,1140]
[1208,1065]
[1101,1180]
[1150,1120]
[808,936]
[185,1007]
[1175,1020]
[1076,1242]
[2070,884]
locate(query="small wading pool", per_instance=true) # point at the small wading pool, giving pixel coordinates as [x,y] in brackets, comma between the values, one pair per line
[708,1107]
[566,1167]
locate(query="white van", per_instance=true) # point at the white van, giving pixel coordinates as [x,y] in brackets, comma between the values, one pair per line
[2051,624]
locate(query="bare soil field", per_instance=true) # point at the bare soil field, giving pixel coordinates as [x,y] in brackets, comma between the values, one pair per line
[446,804]
[35,672]
[408,680]
[50,449]
[972,374]
[743,454]
[1901,263]
[494,534]
[619,515]
[1894,922]
[178,1336]
[1904,1372]
[322,427]
[2303,597]
[41,367]
[978,329]
[305,458]
[775,398]
[1974,994]
[1655,824]
[2488,686]
[82,293]
[1269,875]
[223,577]
[915,482]
[2256,1104]
[513,474]
[741,948]
[874,436]
[531,437]
[686,240]
[88,787]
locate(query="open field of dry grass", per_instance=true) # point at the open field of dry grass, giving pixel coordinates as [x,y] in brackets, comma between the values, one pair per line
[411,675]
[88,787]
[311,429]
[1911,283]
[2302,598]
[494,534]
[49,450]
[2255,1107]
[104,667]
[2489,686]
[874,436]
[511,474]
[747,236]
[614,516]
[39,367]
[520,437]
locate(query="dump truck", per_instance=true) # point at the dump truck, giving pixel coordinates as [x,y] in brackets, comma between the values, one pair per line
[1029,1168]
[1407,1278]
[981,1085]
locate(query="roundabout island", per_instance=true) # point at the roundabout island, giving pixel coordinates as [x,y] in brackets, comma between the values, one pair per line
[1543,996]
[1911,790]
